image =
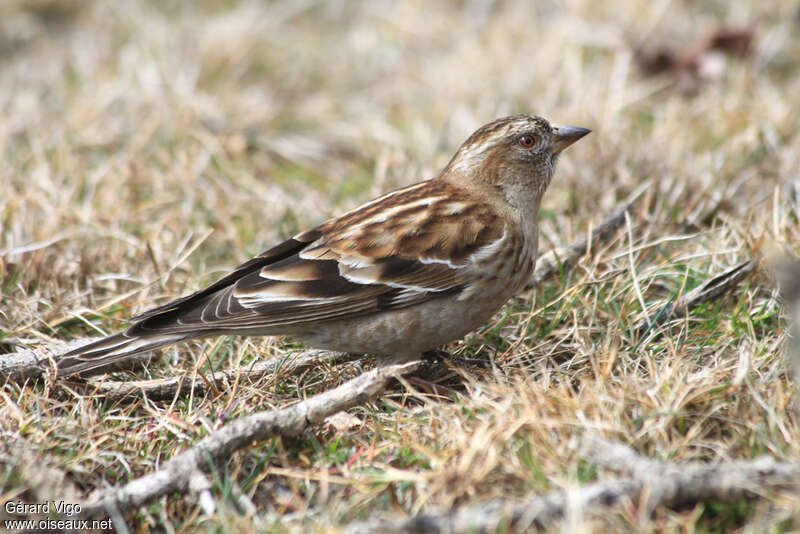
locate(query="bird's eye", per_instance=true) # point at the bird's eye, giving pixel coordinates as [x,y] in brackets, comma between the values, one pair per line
[526,141]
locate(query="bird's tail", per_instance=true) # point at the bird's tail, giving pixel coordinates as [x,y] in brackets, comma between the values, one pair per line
[116,348]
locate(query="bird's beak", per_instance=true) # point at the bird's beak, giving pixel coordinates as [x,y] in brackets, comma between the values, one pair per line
[565,136]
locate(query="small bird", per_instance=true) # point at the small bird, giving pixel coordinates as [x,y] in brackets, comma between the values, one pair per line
[399,276]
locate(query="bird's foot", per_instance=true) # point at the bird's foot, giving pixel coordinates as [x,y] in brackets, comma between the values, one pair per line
[442,354]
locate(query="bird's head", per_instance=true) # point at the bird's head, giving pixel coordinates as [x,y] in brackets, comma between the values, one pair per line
[515,156]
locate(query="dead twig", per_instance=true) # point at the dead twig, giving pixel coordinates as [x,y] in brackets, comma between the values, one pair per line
[33,363]
[657,483]
[680,483]
[168,388]
[554,261]
[708,291]
[178,474]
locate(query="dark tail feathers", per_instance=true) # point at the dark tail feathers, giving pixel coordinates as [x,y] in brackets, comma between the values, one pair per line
[115,349]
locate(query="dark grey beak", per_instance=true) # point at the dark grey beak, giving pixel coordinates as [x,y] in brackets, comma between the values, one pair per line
[565,136]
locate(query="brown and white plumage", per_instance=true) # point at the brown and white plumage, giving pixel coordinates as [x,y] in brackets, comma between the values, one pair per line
[405,273]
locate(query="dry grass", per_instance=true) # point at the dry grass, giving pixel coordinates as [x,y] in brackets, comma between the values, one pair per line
[147,148]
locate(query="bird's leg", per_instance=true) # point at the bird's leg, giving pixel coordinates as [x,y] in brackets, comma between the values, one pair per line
[398,358]
[442,354]
[416,381]
[430,387]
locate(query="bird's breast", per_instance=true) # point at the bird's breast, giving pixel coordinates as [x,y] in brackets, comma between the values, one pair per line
[505,267]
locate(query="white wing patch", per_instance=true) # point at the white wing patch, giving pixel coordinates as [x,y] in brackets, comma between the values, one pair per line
[443,262]
[488,252]
[367,276]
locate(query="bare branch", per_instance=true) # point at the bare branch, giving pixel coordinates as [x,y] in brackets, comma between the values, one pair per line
[33,363]
[168,388]
[660,484]
[708,291]
[177,474]
[673,484]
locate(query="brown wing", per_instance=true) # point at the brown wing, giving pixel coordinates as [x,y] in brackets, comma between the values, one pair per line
[407,247]
[402,249]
